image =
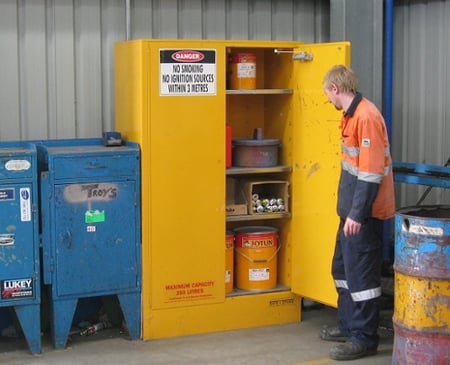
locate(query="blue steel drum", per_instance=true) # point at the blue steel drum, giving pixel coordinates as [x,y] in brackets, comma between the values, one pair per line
[422,286]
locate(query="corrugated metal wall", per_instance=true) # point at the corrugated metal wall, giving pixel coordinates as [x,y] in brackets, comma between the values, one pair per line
[57,55]
[56,74]
[361,23]
[421,91]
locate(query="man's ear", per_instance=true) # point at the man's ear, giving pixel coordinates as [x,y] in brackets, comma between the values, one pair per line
[334,88]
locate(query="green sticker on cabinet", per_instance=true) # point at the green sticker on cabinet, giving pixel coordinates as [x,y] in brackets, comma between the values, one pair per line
[94,216]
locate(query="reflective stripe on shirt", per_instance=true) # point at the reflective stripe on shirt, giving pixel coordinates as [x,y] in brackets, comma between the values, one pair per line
[365,176]
[351,151]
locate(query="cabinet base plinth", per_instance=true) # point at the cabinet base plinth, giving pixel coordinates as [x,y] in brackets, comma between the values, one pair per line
[236,312]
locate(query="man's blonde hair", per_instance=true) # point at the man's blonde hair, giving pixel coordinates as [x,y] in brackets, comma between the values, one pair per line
[343,77]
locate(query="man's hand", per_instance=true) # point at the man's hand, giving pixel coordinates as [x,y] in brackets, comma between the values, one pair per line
[351,227]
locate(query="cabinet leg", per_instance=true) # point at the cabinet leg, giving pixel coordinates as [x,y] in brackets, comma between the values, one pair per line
[62,316]
[131,309]
[29,317]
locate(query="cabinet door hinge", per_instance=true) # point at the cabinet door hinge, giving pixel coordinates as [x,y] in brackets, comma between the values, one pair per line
[303,56]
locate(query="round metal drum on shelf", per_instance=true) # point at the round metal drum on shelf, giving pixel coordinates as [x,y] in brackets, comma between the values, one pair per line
[255,152]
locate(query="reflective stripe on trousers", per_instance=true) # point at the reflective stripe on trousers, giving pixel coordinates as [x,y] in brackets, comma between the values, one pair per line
[356,270]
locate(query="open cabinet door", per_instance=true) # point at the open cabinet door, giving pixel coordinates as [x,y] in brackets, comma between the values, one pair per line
[316,167]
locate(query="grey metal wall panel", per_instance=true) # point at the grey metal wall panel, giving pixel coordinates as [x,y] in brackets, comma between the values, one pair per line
[112,29]
[166,18]
[361,22]
[57,55]
[10,127]
[190,19]
[282,19]
[214,20]
[238,22]
[141,13]
[310,15]
[421,84]
[57,60]
[260,21]
[88,78]
[33,77]
[62,70]
[421,91]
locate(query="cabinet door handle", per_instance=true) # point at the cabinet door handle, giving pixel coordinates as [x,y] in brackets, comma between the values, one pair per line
[69,240]
[95,166]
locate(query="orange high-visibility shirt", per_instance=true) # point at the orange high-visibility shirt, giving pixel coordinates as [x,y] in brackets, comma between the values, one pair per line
[366,158]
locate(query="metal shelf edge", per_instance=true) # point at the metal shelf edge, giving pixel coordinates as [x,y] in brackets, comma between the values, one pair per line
[255,217]
[260,92]
[257,170]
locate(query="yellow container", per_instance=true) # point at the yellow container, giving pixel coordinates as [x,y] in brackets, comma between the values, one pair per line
[243,71]
[420,304]
[171,97]
[229,260]
[256,257]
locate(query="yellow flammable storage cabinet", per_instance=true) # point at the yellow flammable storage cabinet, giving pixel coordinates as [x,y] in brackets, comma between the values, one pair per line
[173,97]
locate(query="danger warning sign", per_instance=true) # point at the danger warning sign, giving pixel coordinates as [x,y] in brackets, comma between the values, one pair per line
[187,72]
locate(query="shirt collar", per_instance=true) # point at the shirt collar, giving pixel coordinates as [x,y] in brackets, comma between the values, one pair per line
[351,109]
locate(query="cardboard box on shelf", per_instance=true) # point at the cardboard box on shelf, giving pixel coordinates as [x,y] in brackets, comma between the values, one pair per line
[272,196]
[236,204]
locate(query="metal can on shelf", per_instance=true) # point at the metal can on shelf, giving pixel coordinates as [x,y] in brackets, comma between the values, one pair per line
[243,71]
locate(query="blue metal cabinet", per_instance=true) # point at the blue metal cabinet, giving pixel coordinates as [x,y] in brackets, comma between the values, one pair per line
[90,202]
[19,238]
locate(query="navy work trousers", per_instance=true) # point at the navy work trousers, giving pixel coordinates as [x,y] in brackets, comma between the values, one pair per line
[356,270]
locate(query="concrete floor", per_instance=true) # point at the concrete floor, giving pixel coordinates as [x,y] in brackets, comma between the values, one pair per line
[287,344]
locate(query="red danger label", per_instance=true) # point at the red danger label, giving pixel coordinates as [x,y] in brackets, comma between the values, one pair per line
[188,56]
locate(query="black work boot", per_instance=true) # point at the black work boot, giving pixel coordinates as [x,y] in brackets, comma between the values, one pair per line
[350,351]
[332,333]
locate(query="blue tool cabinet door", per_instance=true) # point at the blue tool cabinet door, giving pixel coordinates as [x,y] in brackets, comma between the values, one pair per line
[95,237]
[17,250]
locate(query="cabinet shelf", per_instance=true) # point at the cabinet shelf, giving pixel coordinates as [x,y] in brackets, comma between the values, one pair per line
[232,171]
[238,292]
[260,92]
[256,217]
